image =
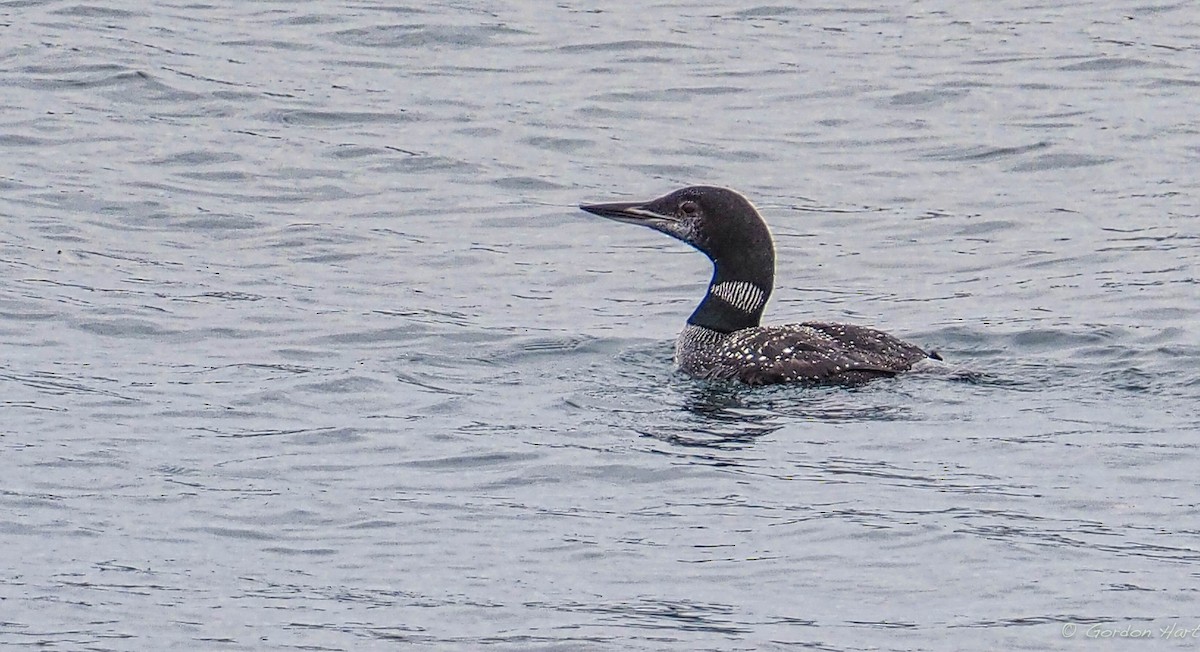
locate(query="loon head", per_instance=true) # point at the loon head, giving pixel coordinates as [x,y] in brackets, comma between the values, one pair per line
[727,228]
[717,221]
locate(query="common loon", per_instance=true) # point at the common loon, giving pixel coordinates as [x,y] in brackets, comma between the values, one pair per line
[723,339]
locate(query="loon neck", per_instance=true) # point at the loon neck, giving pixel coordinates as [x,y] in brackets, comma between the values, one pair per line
[733,302]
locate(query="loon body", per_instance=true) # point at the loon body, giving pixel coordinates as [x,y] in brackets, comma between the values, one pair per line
[723,339]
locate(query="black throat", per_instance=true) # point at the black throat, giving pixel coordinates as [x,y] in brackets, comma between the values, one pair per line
[737,295]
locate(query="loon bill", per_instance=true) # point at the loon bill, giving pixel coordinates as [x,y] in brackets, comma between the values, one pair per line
[723,339]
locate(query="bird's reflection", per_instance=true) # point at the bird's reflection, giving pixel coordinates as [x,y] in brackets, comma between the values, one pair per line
[731,415]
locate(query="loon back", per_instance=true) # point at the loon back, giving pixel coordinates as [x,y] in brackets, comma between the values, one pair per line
[723,338]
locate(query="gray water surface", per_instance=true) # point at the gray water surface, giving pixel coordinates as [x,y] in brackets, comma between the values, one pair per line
[307,346]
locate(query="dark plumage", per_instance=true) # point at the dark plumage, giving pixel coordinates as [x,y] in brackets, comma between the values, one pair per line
[723,338]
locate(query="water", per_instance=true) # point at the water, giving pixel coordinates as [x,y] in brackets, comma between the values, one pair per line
[306,345]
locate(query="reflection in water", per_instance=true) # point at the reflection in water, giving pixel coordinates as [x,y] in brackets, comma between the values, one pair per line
[652,613]
[729,415]
[718,417]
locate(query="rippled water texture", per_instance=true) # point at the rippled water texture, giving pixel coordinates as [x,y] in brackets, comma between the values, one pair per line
[307,346]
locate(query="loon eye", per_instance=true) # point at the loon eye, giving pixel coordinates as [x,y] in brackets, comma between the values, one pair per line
[688,208]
